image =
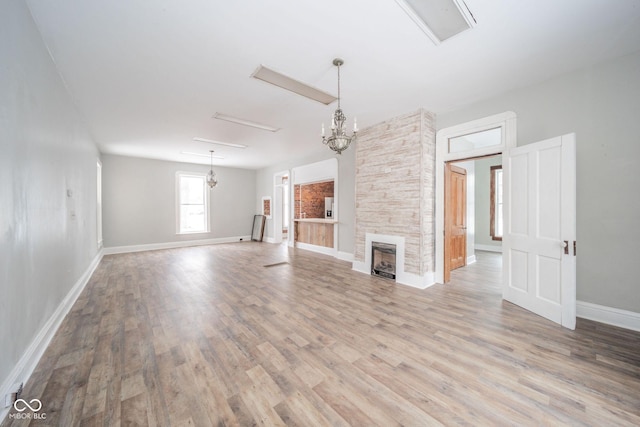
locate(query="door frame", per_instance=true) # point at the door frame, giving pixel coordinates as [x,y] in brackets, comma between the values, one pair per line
[276,206]
[507,122]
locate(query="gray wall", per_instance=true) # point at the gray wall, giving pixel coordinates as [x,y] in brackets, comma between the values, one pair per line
[47,239]
[139,201]
[601,104]
[346,191]
[483,201]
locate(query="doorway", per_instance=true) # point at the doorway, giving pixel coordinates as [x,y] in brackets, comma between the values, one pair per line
[281,207]
[473,212]
[473,140]
[538,215]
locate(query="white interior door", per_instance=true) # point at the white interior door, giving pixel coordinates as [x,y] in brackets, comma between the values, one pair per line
[540,229]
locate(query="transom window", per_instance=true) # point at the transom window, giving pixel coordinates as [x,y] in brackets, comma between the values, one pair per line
[192,203]
[476,140]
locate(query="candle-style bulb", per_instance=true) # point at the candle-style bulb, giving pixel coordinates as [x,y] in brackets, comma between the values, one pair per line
[355,124]
[322,129]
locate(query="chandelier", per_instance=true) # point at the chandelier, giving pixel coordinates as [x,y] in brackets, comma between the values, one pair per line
[339,140]
[211,176]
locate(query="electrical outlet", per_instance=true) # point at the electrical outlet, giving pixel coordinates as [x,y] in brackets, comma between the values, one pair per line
[10,398]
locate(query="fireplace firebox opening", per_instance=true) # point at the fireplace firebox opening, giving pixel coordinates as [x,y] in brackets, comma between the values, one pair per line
[383,260]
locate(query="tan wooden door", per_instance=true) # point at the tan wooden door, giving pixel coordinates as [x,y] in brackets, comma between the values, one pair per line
[455,211]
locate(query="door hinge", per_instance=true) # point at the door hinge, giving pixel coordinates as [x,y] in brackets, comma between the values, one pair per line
[574,248]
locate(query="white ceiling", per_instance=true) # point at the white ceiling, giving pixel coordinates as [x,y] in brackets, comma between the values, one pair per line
[148,75]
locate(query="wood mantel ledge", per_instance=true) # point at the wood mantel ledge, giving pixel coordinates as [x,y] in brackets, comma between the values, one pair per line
[319,220]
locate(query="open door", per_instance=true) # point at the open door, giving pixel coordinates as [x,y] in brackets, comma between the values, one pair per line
[455,234]
[539,243]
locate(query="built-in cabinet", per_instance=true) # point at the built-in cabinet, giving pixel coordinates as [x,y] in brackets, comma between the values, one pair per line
[314,231]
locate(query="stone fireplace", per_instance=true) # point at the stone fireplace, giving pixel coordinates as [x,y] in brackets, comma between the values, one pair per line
[395,193]
[387,243]
[383,260]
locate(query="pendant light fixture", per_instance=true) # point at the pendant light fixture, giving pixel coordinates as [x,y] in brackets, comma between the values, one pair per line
[339,140]
[212,180]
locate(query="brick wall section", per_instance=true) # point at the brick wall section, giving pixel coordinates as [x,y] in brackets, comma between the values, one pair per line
[394,186]
[312,198]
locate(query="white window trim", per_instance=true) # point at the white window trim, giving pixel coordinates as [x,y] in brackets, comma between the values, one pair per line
[498,202]
[99,236]
[206,202]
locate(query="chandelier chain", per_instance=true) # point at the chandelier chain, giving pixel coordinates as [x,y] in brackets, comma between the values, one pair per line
[339,140]
[338,86]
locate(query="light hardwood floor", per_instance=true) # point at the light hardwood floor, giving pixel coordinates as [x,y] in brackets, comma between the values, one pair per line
[258,334]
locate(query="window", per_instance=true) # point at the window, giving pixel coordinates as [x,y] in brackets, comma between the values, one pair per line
[192,203]
[285,202]
[476,140]
[99,203]
[496,202]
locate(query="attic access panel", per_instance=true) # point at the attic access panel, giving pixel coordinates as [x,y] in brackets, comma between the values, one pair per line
[439,19]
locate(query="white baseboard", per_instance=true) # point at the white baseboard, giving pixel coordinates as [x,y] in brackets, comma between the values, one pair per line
[344,256]
[407,279]
[488,248]
[471,259]
[315,248]
[609,315]
[30,358]
[360,267]
[417,281]
[170,245]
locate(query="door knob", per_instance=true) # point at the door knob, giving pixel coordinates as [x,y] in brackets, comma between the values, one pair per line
[566,247]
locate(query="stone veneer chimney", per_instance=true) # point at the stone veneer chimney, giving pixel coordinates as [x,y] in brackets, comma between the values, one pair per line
[395,193]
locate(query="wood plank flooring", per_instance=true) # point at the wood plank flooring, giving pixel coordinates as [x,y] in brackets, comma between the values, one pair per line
[258,334]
